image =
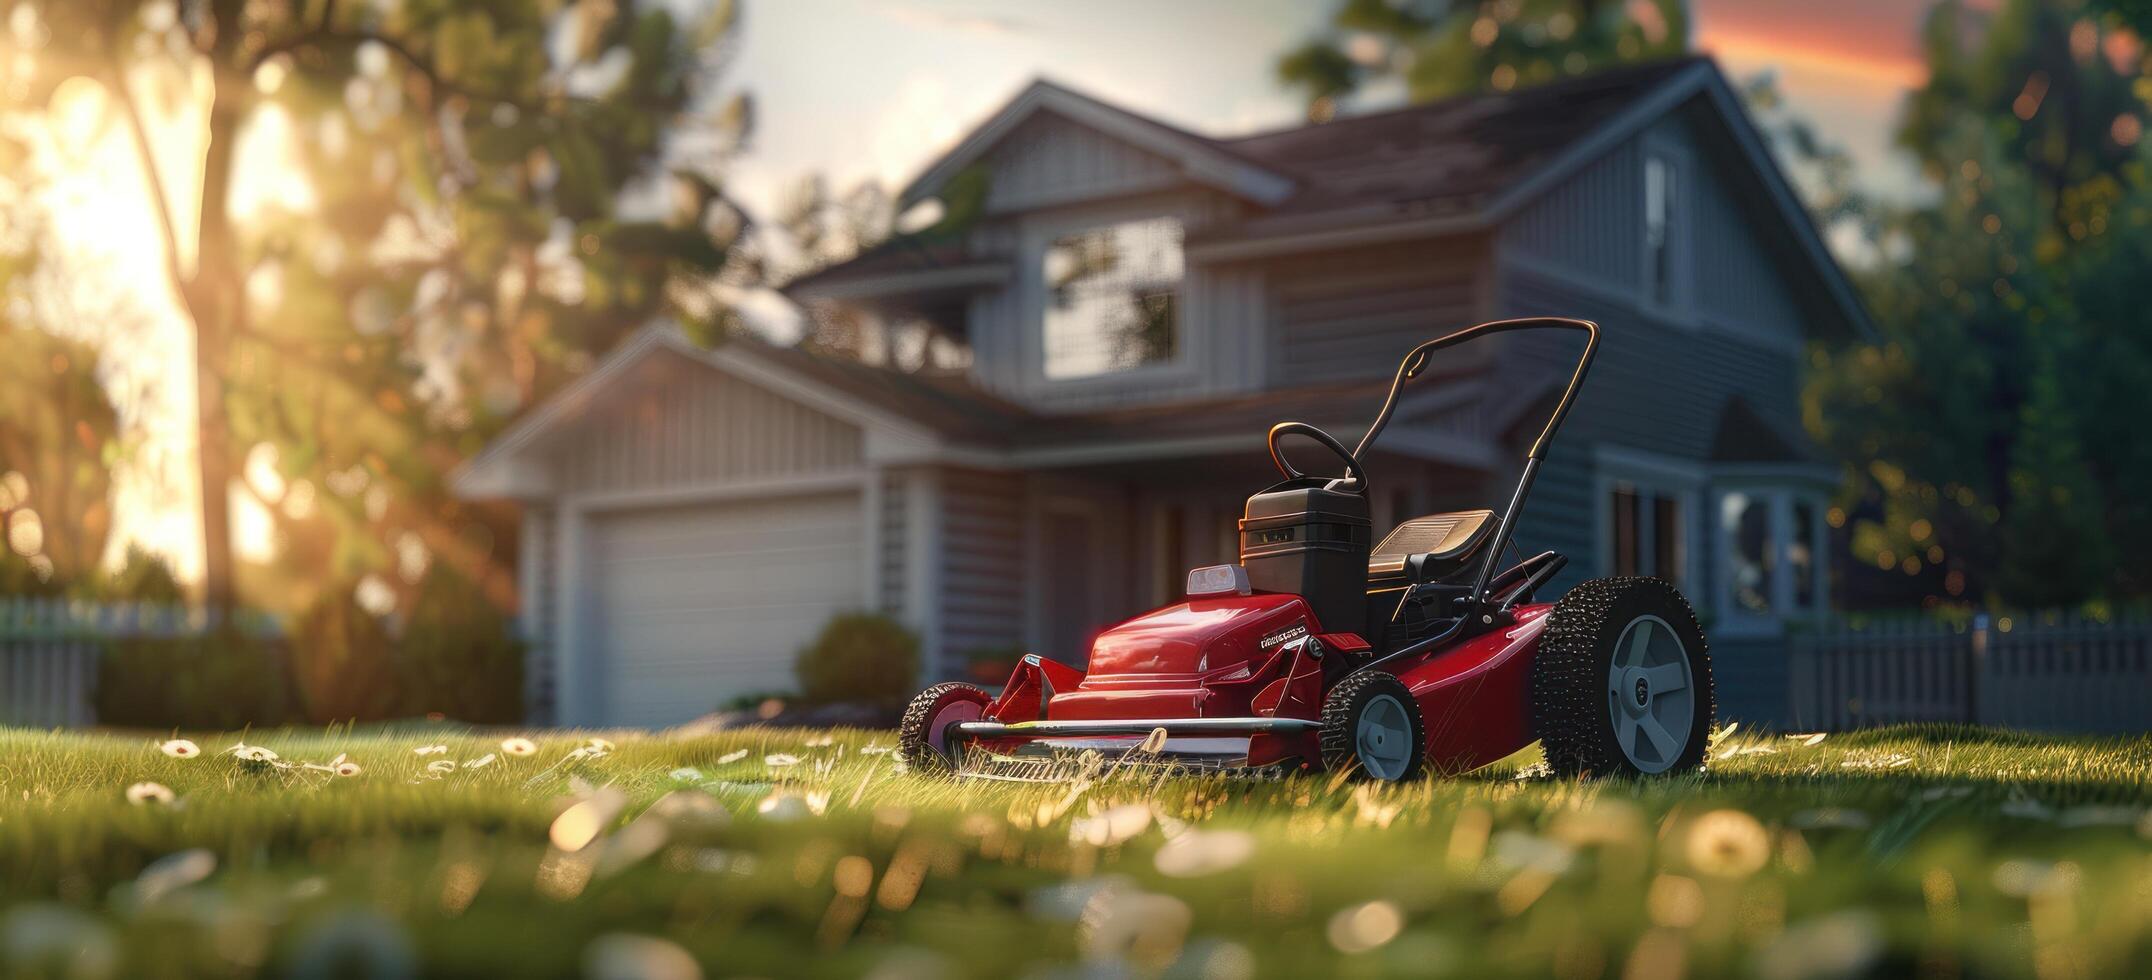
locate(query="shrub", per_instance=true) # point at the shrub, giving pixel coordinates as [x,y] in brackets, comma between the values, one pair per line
[343,662]
[222,680]
[458,655]
[859,657]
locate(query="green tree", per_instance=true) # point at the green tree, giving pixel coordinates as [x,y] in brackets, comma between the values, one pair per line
[59,432]
[499,191]
[1440,48]
[1990,423]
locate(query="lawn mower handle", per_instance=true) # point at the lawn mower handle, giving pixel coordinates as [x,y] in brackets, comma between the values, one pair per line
[1416,361]
[1413,364]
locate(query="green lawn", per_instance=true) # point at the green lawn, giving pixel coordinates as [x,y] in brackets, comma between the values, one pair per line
[1939,852]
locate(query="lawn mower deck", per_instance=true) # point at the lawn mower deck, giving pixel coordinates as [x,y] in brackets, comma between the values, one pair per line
[1319,651]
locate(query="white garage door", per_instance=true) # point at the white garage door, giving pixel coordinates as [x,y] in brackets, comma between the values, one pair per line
[698,605]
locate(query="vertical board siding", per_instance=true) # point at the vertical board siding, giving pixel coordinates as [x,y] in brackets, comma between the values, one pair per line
[1655,387]
[1590,225]
[1353,313]
[982,567]
[675,422]
[1051,159]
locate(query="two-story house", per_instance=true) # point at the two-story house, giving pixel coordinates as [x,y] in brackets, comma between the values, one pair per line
[1126,310]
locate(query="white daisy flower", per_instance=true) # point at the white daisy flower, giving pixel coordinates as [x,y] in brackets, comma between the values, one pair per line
[180,748]
[779,760]
[253,753]
[875,750]
[601,745]
[347,769]
[686,774]
[429,750]
[518,746]
[144,793]
[441,766]
[481,762]
[821,741]
[731,757]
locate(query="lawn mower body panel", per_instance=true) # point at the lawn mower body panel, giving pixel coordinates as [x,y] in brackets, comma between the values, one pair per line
[1236,678]
[1477,696]
[1190,660]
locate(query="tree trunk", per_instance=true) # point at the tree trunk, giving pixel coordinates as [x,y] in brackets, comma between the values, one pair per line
[218,302]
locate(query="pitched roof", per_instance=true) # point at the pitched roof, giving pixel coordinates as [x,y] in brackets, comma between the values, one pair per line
[1460,164]
[1450,156]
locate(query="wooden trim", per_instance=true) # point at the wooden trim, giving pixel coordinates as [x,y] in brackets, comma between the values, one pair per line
[571,682]
[923,556]
[718,492]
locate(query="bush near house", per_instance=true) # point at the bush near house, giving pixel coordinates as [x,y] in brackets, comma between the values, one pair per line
[864,658]
[221,679]
[455,656]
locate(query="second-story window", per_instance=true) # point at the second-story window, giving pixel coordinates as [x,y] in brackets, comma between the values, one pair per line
[1660,216]
[1110,298]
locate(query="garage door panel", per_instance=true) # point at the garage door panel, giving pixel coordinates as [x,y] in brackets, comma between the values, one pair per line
[699,605]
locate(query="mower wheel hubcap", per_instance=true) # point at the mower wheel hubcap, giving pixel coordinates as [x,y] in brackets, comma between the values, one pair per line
[950,714]
[1383,738]
[1649,695]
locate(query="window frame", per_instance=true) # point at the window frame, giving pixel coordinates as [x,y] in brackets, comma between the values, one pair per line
[1650,477]
[1780,494]
[1678,231]
[1038,234]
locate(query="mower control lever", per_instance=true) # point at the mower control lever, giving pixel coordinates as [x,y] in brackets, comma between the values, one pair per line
[1353,472]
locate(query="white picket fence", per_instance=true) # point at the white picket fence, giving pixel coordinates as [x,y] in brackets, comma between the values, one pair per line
[2047,673]
[49,650]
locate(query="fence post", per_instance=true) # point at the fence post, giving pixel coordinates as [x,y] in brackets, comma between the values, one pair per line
[1976,667]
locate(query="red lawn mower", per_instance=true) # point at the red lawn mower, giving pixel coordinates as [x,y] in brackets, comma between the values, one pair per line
[1315,652]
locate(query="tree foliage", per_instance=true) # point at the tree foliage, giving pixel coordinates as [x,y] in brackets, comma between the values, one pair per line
[493,195]
[1991,422]
[1440,48]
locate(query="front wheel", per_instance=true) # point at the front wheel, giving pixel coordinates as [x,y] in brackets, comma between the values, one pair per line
[1372,728]
[923,736]
[1622,681]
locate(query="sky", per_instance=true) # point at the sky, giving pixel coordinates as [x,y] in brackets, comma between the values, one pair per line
[872,89]
[875,90]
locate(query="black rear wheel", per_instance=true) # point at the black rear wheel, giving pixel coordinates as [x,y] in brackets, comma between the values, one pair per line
[1372,728]
[1622,681]
[923,737]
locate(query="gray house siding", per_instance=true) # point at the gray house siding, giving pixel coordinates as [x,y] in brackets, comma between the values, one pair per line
[1352,313]
[895,507]
[1587,226]
[1051,160]
[673,423]
[982,561]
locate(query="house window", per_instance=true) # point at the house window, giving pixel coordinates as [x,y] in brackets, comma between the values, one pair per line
[1801,554]
[1659,218]
[1110,298]
[1646,536]
[1745,521]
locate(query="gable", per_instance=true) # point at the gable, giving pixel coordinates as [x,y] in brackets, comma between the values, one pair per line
[1128,146]
[1051,160]
[672,422]
[1741,268]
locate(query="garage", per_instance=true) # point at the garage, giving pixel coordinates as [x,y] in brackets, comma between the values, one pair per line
[693,606]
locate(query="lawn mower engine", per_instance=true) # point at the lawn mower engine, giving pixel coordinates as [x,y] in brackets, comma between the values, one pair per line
[1319,651]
